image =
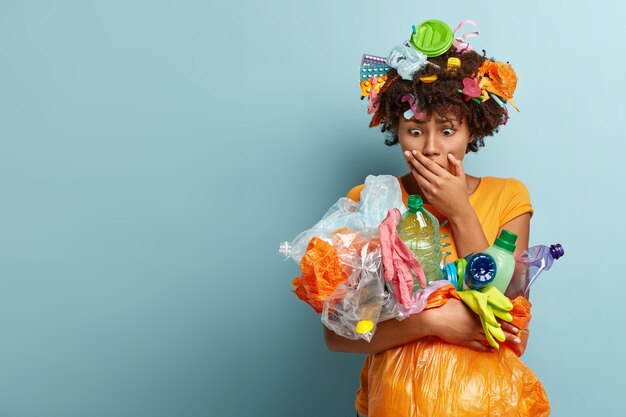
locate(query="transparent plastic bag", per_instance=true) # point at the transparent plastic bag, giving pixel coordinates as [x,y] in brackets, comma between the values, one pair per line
[380,194]
[344,281]
[353,310]
[393,309]
[364,299]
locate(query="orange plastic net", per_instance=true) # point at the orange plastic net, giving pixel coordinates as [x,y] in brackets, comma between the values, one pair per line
[321,274]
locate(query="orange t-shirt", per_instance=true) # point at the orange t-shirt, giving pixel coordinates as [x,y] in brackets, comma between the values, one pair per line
[496,201]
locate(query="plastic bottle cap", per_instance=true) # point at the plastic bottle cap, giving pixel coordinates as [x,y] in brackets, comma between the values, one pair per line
[557,251]
[285,249]
[461,264]
[432,37]
[451,273]
[506,241]
[415,203]
[481,270]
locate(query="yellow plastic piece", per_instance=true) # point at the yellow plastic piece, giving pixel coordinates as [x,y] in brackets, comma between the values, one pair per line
[454,64]
[427,79]
[364,326]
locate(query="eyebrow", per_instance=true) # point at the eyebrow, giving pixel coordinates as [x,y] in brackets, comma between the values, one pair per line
[439,121]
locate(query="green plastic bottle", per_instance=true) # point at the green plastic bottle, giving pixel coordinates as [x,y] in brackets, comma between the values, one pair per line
[502,252]
[419,229]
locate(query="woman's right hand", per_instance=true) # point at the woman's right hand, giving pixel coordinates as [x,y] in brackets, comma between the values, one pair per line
[455,323]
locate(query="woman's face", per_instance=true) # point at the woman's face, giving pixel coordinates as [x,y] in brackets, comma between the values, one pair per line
[435,138]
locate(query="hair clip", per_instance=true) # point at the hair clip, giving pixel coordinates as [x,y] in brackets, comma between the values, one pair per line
[413,110]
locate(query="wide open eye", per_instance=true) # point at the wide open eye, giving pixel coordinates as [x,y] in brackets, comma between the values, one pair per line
[415,132]
[448,131]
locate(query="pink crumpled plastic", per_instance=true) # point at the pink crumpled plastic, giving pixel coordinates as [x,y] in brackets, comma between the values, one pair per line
[398,261]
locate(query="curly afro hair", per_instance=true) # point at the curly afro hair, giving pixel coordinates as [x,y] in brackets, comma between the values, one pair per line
[441,97]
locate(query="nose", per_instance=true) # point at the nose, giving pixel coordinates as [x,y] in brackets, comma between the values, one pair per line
[431,147]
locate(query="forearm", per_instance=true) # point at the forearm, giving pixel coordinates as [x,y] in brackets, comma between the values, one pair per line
[389,334]
[467,232]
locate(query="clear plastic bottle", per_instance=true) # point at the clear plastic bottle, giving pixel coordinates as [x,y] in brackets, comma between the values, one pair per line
[419,229]
[296,248]
[529,265]
[502,252]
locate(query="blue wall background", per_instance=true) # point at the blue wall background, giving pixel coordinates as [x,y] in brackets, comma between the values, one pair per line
[154,153]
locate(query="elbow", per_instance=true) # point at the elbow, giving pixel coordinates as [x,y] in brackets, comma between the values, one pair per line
[330,338]
[336,343]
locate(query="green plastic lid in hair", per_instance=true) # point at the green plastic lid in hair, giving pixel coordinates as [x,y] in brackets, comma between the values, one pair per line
[415,203]
[506,241]
[432,37]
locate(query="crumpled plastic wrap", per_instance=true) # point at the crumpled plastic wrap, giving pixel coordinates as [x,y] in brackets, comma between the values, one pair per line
[431,377]
[380,194]
[359,298]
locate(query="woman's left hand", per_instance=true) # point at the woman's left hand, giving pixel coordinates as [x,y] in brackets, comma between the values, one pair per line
[444,190]
[518,339]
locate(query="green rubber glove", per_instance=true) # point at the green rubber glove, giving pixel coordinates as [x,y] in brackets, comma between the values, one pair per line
[496,298]
[489,303]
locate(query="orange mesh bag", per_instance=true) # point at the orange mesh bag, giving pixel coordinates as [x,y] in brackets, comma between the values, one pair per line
[321,274]
[431,377]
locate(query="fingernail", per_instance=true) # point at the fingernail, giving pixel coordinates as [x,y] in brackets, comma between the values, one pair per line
[515,330]
[414,152]
[407,154]
[517,340]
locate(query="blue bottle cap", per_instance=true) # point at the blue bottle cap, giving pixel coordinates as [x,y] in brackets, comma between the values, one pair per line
[480,271]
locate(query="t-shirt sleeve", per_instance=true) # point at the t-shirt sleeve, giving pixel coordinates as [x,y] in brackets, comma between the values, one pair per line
[355,193]
[517,201]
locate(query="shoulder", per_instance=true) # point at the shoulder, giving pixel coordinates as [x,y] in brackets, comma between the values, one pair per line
[504,185]
[355,193]
[509,196]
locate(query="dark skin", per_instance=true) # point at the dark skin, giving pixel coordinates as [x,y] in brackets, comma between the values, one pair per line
[434,150]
